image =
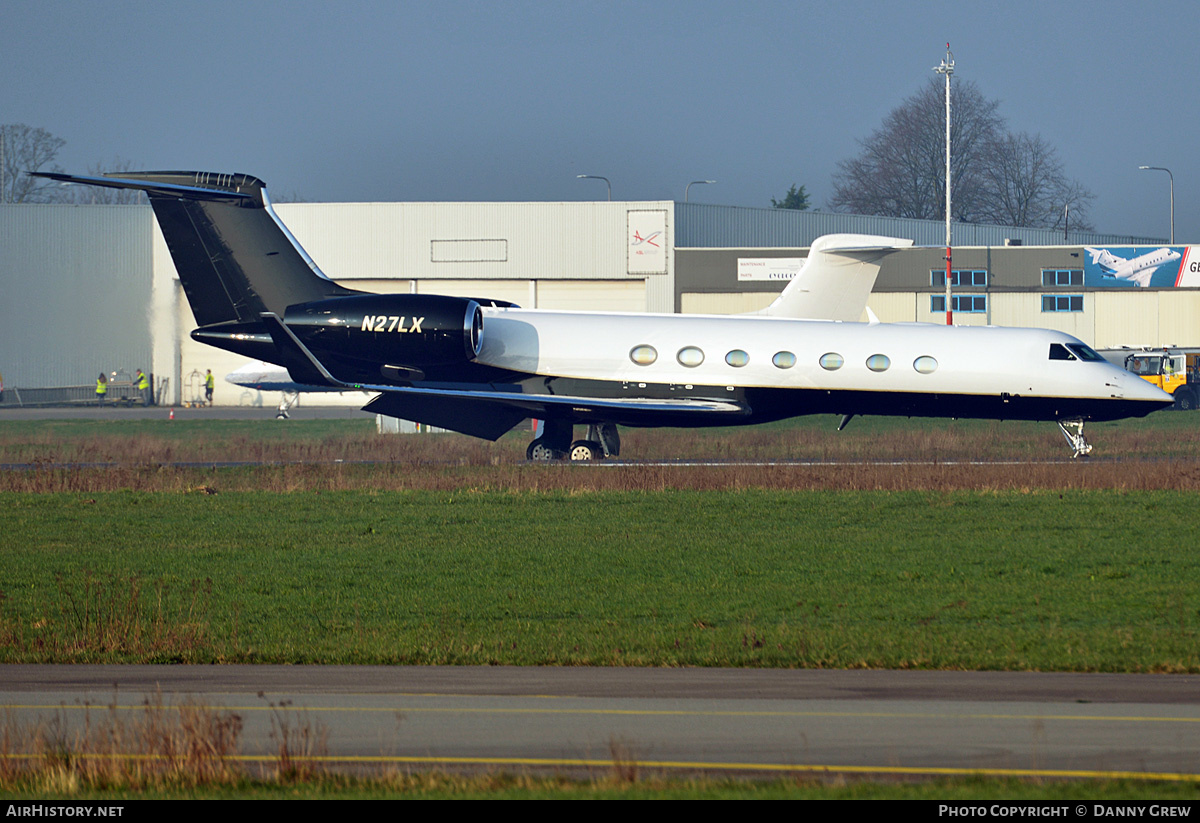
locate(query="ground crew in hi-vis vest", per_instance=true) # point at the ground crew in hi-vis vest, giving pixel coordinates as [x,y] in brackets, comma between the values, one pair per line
[143,385]
[101,387]
[208,386]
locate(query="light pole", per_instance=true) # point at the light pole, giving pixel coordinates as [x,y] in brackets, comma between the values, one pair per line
[1168,171]
[694,183]
[947,68]
[597,177]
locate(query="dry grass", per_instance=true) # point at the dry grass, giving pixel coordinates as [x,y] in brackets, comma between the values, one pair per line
[1161,452]
[157,744]
[1175,474]
[301,744]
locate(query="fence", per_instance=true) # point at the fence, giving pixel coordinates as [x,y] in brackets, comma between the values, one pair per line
[125,394]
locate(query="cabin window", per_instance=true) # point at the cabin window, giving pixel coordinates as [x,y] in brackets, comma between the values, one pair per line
[1062,302]
[643,355]
[832,361]
[1059,352]
[878,362]
[737,358]
[784,360]
[690,356]
[925,364]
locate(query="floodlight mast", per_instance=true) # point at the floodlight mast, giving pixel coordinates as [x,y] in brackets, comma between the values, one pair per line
[947,68]
[1168,171]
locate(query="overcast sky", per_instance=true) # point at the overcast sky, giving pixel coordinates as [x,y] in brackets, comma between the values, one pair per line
[510,100]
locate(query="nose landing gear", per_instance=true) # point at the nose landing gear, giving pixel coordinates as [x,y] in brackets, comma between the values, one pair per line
[1073,431]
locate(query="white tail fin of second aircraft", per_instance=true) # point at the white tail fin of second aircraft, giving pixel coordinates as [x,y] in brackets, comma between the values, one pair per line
[837,278]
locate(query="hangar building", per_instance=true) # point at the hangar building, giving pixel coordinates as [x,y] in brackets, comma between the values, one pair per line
[92,288]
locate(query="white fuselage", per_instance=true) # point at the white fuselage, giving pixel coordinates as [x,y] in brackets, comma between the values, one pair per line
[965,360]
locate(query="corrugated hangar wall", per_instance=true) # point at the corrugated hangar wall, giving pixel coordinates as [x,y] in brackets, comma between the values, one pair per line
[703,225]
[77,292]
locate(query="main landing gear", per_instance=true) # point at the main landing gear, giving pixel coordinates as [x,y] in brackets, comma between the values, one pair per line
[555,442]
[1073,431]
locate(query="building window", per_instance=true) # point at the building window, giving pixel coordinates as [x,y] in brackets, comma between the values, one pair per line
[1062,302]
[1062,277]
[963,303]
[959,277]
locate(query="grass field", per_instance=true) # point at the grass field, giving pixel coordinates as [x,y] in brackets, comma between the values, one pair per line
[1072,580]
[448,550]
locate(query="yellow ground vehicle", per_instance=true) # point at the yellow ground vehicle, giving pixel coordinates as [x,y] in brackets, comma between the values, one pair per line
[1175,371]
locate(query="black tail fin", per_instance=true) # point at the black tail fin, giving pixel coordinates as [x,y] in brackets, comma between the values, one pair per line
[235,258]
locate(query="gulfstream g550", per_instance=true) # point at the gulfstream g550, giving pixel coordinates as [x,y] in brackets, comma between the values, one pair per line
[480,366]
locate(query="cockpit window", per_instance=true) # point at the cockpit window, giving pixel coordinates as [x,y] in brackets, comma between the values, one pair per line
[1084,352]
[1059,352]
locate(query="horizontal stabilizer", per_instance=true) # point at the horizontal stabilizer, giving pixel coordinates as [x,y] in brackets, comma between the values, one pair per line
[190,185]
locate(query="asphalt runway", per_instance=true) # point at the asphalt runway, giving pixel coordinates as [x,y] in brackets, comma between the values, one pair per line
[750,722]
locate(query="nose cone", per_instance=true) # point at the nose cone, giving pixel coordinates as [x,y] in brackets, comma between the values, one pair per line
[1138,389]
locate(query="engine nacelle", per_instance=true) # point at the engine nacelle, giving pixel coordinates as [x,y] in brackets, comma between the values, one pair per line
[406,330]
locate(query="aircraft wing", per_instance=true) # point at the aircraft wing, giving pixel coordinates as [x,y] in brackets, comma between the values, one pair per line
[1142,278]
[490,412]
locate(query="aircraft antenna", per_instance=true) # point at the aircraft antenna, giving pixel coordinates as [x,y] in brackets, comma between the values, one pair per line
[947,68]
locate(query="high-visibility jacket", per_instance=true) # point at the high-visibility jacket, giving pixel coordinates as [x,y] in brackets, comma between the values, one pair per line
[101,386]
[208,381]
[143,380]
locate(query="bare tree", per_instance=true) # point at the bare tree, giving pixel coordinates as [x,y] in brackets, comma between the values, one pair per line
[1024,184]
[900,171]
[996,177]
[25,149]
[101,194]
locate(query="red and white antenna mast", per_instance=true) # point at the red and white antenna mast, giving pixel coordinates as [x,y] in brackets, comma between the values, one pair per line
[947,68]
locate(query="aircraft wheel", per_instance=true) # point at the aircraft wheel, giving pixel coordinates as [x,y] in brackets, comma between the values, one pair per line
[538,450]
[586,450]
